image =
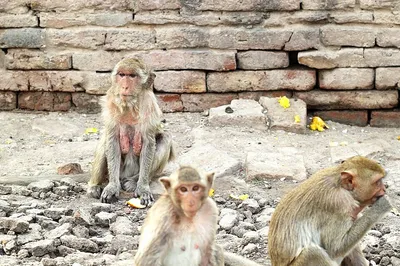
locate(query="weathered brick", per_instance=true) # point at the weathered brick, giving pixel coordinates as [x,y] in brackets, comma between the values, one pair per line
[96,61]
[326,4]
[199,19]
[73,5]
[245,5]
[375,4]
[388,38]
[262,60]
[86,103]
[279,79]
[386,17]
[180,81]
[77,38]
[385,119]
[96,83]
[22,38]
[339,100]
[13,7]
[8,100]
[346,78]
[244,39]
[344,36]
[130,38]
[170,102]
[303,16]
[387,78]
[201,102]
[354,118]
[28,59]
[182,37]
[18,21]
[44,101]
[256,95]
[2,59]
[303,39]
[13,81]
[345,57]
[65,81]
[64,20]
[380,57]
[342,17]
[158,4]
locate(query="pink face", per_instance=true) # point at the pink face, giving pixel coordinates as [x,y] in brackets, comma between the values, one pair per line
[191,197]
[128,82]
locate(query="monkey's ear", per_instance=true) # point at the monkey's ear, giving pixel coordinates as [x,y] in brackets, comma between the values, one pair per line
[166,182]
[347,178]
[210,178]
[150,80]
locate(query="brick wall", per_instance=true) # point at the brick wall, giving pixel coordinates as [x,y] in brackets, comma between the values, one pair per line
[341,57]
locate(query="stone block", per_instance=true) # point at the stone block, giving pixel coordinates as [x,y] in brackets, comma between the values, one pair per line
[41,247]
[65,20]
[180,81]
[13,81]
[369,149]
[343,17]
[246,5]
[65,81]
[201,102]
[304,39]
[182,37]
[18,21]
[256,95]
[386,17]
[28,59]
[381,57]
[2,59]
[73,5]
[96,60]
[245,39]
[339,100]
[22,38]
[376,4]
[388,38]
[75,38]
[86,103]
[158,4]
[326,4]
[170,103]
[13,7]
[44,101]
[385,119]
[348,117]
[81,244]
[254,60]
[280,118]
[344,36]
[303,16]
[130,39]
[279,79]
[96,83]
[387,78]
[210,159]
[284,164]
[246,113]
[346,78]
[324,59]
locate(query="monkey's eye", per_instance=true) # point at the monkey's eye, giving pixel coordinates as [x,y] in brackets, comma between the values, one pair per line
[183,189]
[121,74]
[196,188]
[133,75]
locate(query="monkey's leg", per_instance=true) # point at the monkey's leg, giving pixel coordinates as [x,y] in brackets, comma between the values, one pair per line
[164,153]
[313,256]
[130,173]
[355,258]
[232,259]
[99,171]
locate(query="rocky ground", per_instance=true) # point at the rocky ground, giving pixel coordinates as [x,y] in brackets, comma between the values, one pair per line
[46,219]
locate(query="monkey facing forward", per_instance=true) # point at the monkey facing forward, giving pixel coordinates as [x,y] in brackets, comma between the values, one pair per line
[317,223]
[133,147]
[180,227]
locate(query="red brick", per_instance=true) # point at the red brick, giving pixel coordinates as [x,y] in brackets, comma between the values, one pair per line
[86,103]
[170,103]
[201,102]
[354,118]
[385,119]
[8,100]
[44,101]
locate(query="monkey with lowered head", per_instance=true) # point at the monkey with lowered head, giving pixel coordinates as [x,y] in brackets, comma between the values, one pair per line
[318,223]
[134,146]
[180,227]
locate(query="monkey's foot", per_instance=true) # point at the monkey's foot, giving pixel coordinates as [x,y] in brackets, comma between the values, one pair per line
[143,192]
[110,193]
[94,191]
[128,185]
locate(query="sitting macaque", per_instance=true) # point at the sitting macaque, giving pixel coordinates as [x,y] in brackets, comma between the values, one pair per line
[133,147]
[180,227]
[318,223]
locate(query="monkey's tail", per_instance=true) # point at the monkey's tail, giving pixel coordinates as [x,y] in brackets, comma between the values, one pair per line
[236,260]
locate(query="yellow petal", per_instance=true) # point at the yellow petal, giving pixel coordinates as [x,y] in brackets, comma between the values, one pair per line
[243,197]
[318,124]
[211,192]
[8,141]
[91,130]
[284,102]
[233,196]
[398,137]
[297,119]
[135,203]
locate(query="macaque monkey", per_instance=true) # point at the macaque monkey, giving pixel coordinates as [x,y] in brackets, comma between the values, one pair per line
[318,223]
[134,147]
[180,227]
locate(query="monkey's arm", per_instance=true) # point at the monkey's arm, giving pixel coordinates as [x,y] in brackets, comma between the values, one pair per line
[146,161]
[361,226]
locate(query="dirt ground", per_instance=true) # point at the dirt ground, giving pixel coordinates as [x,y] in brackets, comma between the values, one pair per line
[33,145]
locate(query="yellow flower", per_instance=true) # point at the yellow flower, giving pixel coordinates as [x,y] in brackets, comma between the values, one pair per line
[211,192]
[318,124]
[284,102]
[297,119]
[241,197]
[90,130]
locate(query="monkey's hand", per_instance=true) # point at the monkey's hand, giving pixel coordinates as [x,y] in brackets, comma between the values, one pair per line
[382,205]
[143,192]
[110,193]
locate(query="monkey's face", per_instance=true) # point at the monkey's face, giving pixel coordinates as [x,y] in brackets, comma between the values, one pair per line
[191,197]
[370,190]
[128,83]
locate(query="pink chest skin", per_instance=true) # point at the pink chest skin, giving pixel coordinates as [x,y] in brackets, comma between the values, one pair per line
[128,138]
